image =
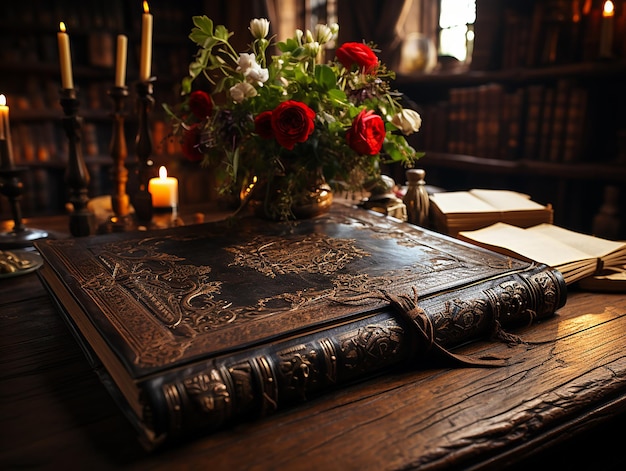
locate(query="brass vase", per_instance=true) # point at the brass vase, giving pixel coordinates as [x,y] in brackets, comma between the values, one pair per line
[279,199]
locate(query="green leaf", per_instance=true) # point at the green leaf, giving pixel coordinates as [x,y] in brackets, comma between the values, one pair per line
[338,96]
[235,162]
[198,37]
[222,33]
[186,85]
[325,77]
[287,46]
[195,68]
[204,24]
[390,127]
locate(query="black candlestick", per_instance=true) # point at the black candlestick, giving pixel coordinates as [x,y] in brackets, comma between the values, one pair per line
[142,199]
[12,187]
[76,175]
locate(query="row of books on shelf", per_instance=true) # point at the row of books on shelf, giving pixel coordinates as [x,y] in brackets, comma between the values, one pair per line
[95,49]
[548,32]
[36,120]
[93,15]
[45,143]
[537,121]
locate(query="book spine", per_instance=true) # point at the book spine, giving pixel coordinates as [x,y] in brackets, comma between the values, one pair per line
[534,107]
[257,382]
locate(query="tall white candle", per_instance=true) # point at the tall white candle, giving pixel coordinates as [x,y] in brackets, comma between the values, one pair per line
[120,64]
[5,135]
[4,116]
[145,59]
[65,58]
[606,32]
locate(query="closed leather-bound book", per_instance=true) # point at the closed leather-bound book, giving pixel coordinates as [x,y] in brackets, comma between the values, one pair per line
[198,327]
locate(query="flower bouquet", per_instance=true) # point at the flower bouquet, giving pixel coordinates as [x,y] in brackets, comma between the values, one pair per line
[272,126]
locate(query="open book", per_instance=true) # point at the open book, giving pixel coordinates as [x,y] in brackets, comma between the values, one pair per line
[575,255]
[457,211]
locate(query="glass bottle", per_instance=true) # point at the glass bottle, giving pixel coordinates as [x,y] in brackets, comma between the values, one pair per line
[416,197]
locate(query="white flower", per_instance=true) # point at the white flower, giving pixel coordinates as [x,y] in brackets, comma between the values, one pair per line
[246,61]
[252,71]
[241,91]
[323,33]
[312,48]
[408,121]
[259,27]
[258,75]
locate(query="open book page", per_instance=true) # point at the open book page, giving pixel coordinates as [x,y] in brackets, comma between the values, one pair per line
[479,201]
[540,247]
[506,200]
[594,247]
[460,202]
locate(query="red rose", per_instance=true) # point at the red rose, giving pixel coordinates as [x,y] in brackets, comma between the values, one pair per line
[367,134]
[292,122]
[263,125]
[350,54]
[200,104]
[191,143]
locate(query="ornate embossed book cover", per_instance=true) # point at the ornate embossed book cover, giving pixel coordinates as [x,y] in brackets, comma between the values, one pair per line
[197,327]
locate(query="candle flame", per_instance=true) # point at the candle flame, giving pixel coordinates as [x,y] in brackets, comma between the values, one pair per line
[3,100]
[145,7]
[609,8]
[62,27]
[162,173]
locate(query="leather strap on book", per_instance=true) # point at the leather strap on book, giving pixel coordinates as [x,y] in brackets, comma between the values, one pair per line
[407,307]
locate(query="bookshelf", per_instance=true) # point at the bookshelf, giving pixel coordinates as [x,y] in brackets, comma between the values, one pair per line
[537,110]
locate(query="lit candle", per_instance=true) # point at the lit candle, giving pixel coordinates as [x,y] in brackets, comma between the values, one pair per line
[164,190]
[145,59]
[4,116]
[5,135]
[67,81]
[120,65]
[606,33]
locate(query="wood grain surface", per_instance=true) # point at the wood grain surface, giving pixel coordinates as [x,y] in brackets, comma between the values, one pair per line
[566,384]
[562,400]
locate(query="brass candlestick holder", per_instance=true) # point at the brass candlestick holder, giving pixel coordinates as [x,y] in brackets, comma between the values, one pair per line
[120,200]
[142,199]
[76,175]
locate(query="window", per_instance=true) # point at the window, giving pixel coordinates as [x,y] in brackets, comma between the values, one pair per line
[456,23]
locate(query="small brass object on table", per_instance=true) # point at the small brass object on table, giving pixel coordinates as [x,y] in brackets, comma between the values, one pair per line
[383,200]
[14,263]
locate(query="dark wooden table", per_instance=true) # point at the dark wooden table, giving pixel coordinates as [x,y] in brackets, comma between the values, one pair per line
[562,399]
